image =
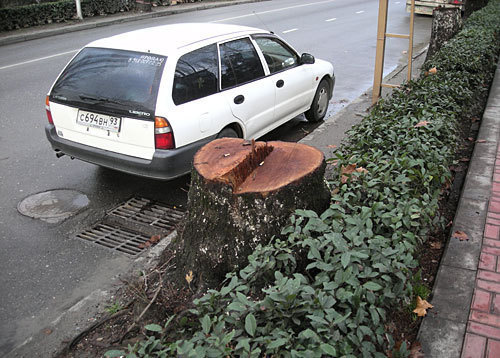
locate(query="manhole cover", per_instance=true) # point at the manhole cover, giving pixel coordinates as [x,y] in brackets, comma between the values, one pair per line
[130,226]
[53,206]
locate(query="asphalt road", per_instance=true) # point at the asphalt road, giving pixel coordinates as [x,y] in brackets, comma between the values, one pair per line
[43,269]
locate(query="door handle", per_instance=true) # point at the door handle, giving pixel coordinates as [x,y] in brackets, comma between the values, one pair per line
[280,83]
[239,99]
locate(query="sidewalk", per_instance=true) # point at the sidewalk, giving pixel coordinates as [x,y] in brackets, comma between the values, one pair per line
[37,32]
[465,320]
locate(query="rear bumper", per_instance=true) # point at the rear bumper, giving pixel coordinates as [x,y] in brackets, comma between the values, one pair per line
[165,165]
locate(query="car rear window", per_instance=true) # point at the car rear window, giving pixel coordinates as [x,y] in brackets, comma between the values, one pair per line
[111,77]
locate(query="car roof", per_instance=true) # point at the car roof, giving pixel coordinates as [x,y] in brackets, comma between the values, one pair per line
[165,39]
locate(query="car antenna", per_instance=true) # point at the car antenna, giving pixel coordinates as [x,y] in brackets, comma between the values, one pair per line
[264,25]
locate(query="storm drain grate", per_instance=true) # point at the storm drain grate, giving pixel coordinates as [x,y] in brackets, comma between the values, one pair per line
[147,212]
[115,238]
[129,227]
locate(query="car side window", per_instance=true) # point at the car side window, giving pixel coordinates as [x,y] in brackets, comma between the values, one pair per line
[278,57]
[240,63]
[196,75]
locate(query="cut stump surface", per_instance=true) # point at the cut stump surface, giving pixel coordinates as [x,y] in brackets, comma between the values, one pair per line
[252,167]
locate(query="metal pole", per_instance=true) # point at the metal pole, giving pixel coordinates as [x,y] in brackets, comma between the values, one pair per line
[79,10]
[410,46]
[379,56]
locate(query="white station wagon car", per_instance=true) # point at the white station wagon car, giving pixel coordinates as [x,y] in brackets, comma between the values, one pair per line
[144,102]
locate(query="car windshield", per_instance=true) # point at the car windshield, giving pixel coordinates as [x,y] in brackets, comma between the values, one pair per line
[111,77]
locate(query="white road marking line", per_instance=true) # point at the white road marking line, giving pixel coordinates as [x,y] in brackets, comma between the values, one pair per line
[287,31]
[398,2]
[332,19]
[275,10]
[38,59]
[360,12]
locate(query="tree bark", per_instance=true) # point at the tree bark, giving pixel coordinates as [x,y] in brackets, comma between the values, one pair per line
[445,24]
[242,193]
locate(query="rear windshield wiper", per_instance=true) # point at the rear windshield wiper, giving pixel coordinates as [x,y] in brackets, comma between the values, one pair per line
[99,99]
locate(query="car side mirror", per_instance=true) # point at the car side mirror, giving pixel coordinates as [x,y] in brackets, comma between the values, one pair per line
[307,59]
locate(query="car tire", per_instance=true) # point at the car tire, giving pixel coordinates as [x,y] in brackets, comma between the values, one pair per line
[319,104]
[227,133]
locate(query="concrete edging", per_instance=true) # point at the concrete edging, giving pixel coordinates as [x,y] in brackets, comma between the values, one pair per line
[443,330]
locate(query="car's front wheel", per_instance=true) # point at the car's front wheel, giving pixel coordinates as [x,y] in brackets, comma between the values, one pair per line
[319,104]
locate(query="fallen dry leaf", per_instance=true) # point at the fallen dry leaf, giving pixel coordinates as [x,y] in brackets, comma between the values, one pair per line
[155,239]
[333,146]
[47,331]
[464,160]
[474,119]
[189,276]
[436,245]
[460,235]
[422,307]
[433,71]
[416,350]
[421,124]
[481,141]
[470,139]
[347,171]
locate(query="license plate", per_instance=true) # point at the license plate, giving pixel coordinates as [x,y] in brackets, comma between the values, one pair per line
[101,121]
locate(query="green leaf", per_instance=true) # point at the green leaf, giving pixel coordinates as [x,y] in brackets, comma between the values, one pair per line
[243,343]
[114,353]
[328,349]
[206,324]
[250,324]
[372,286]
[236,306]
[154,327]
[345,259]
[277,343]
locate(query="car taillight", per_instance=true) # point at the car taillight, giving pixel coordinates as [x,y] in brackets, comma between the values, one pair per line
[47,110]
[164,137]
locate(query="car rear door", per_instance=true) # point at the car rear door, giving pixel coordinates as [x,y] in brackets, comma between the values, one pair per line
[248,92]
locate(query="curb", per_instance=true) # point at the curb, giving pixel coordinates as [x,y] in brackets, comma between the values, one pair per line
[117,19]
[442,332]
[70,323]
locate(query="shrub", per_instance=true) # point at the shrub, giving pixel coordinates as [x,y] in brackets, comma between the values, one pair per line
[61,11]
[324,288]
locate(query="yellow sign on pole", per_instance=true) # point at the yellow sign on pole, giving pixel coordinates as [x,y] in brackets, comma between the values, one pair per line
[380,54]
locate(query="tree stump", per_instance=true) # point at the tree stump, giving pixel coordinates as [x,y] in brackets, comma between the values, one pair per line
[242,193]
[446,22]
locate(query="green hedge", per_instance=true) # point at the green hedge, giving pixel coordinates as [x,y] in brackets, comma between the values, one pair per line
[61,11]
[324,288]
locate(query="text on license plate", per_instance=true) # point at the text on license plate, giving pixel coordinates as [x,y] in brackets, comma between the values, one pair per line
[101,121]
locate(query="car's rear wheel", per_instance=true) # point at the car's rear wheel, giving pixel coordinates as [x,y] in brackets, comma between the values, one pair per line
[227,133]
[319,104]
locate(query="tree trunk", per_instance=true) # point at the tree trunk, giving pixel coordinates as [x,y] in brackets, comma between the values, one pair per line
[473,5]
[445,24]
[242,193]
